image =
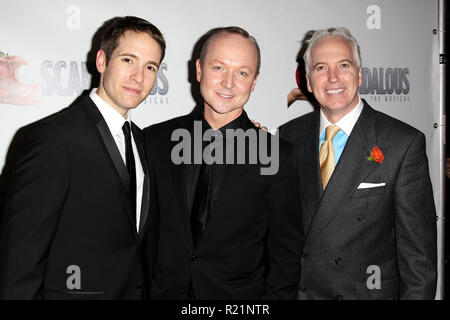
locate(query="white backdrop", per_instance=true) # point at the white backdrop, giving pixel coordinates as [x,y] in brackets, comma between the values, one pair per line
[54,38]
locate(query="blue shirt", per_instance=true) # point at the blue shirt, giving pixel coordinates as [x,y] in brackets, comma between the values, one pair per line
[346,125]
[339,141]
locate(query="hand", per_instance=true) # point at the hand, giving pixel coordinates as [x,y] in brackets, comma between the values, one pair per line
[294,95]
[258,125]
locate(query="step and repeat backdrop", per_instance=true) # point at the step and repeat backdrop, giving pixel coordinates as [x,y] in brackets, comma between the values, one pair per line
[47,54]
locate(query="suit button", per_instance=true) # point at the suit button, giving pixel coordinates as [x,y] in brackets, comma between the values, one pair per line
[338,261]
[194,259]
[183,290]
[304,255]
[139,285]
[302,289]
[339,297]
[361,218]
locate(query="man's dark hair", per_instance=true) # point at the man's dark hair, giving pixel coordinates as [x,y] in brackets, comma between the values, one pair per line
[119,25]
[233,30]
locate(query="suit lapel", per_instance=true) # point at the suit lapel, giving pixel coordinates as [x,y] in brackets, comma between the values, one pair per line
[309,170]
[114,154]
[138,139]
[223,172]
[185,176]
[189,175]
[111,147]
[351,169]
[190,172]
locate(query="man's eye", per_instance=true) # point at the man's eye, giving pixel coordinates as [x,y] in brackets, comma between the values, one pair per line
[345,65]
[151,68]
[243,73]
[218,68]
[127,60]
[320,68]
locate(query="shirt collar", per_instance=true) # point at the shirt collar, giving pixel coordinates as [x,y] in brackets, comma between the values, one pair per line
[347,122]
[113,119]
[235,124]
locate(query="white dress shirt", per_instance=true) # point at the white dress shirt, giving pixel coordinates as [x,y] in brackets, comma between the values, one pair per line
[347,122]
[115,122]
[346,125]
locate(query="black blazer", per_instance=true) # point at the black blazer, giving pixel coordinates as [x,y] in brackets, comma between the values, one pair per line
[68,205]
[250,209]
[351,231]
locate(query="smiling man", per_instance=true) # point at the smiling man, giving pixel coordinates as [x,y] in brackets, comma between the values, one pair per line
[77,207]
[366,195]
[227,77]
[226,231]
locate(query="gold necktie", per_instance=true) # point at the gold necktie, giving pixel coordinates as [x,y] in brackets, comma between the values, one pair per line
[326,155]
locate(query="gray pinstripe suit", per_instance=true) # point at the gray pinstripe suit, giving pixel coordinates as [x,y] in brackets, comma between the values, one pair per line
[350,230]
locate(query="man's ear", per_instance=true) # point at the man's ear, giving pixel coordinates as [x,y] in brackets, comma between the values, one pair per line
[100,61]
[360,77]
[198,69]
[254,82]
[308,85]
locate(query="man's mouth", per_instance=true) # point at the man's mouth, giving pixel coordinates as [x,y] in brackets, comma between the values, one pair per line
[225,96]
[334,91]
[133,90]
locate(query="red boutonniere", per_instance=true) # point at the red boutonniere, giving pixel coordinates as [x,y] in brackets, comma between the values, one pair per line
[376,155]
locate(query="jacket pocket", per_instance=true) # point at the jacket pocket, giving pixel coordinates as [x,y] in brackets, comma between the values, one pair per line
[369,192]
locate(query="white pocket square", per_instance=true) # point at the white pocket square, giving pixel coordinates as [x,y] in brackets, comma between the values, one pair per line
[365,185]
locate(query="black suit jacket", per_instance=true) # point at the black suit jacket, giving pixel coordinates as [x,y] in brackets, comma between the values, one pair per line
[350,231]
[68,205]
[250,209]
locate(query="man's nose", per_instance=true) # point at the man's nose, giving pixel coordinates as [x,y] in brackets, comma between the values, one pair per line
[138,74]
[333,75]
[228,80]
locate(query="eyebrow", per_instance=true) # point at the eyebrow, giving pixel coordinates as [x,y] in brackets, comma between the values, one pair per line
[340,61]
[240,66]
[347,60]
[126,54]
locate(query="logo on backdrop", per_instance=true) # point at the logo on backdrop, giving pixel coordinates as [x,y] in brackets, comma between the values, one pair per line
[71,78]
[158,95]
[385,84]
[12,91]
[64,78]
[60,78]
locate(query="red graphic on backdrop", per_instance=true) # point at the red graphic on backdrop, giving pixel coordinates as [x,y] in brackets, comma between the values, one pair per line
[12,91]
[298,75]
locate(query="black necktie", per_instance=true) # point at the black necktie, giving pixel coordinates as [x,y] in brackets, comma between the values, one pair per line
[131,166]
[200,207]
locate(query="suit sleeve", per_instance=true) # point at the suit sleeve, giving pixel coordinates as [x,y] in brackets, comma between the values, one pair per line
[32,210]
[415,225]
[285,238]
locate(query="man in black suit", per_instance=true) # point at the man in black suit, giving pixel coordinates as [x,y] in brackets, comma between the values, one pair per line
[230,227]
[77,208]
[366,196]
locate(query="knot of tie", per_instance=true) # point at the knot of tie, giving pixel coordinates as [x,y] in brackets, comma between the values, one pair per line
[326,155]
[331,132]
[126,128]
